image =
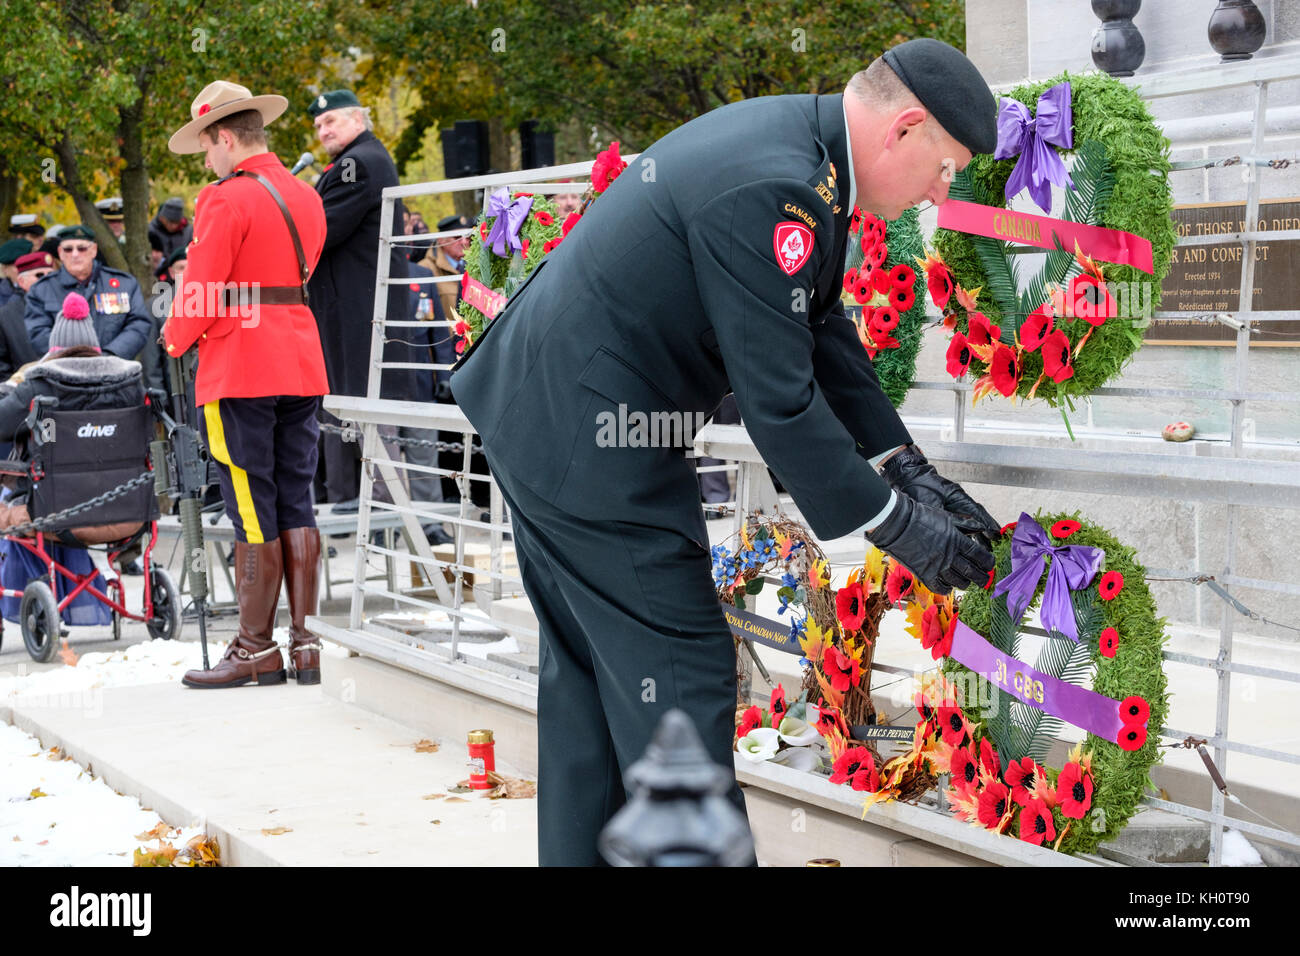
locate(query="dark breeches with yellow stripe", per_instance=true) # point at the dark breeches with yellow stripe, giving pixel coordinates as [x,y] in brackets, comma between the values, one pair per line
[265,450]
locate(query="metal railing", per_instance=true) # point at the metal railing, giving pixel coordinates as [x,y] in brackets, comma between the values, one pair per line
[1235,481]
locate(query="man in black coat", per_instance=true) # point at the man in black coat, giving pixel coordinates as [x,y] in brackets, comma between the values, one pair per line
[342,289]
[15,347]
[713,264]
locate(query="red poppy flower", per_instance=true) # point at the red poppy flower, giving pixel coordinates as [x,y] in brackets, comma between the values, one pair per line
[1056,357]
[855,221]
[545,218]
[1036,328]
[952,727]
[850,606]
[1108,642]
[607,167]
[939,281]
[1022,777]
[460,345]
[959,355]
[856,767]
[550,244]
[1036,823]
[980,331]
[935,636]
[1063,529]
[827,718]
[898,583]
[570,221]
[1132,738]
[903,275]
[1009,527]
[752,719]
[878,230]
[1005,370]
[1090,300]
[462,327]
[964,770]
[483,231]
[862,291]
[525,248]
[850,280]
[844,671]
[995,806]
[878,254]
[993,573]
[113,283]
[902,298]
[204,108]
[1134,710]
[1074,789]
[990,762]
[880,282]
[885,318]
[1112,582]
[414,287]
[777,707]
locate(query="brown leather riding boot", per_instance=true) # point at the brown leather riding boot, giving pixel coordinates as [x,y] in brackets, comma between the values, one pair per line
[253,657]
[301,548]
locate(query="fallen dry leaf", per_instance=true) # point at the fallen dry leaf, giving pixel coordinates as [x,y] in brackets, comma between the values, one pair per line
[200,851]
[18,839]
[36,792]
[157,833]
[43,843]
[433,796]
[276,831]
[162,856]
[54,754]
[67,654]
[435,821]
[457,800]
[512,788]
[462,787]
[426,747]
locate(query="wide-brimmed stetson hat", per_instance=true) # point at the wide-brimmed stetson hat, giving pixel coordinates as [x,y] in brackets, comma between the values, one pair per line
[221,99]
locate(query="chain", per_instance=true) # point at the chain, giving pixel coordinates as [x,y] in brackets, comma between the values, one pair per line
[354,434]
[41,524]
[1217,588]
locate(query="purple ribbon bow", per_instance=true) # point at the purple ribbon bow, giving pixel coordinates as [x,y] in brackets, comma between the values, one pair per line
[1033,138]
[1073,566]
[510,218]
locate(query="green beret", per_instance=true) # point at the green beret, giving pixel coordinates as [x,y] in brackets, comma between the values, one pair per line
[13,250]
[76,232]
[332,100]
[949,86]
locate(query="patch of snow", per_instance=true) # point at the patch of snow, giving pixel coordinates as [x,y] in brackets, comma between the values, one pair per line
[1237,850]
[506,645]
[81,821]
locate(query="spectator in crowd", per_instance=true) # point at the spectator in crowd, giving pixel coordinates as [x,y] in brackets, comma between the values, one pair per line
[170,226]
[15,347]
[25,225]
[566,203]
[343,286]
[426,306]
[117,306]
[10,253]
[113,212]
[156,255]
[447,258]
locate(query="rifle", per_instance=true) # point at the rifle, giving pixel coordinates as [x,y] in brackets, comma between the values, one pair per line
[180,465]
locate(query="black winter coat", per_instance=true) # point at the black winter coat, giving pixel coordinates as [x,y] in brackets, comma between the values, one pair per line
[82,383]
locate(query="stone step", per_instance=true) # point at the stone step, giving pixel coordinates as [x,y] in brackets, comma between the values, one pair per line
[526,661]
[1163,837]
[517,612]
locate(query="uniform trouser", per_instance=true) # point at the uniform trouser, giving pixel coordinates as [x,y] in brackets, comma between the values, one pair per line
[265,450]
[630,628]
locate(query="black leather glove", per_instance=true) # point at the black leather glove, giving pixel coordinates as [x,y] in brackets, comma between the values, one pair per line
[909,473]
[928,541]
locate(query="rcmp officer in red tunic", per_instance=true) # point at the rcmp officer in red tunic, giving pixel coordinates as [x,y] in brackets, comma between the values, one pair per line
[261,372]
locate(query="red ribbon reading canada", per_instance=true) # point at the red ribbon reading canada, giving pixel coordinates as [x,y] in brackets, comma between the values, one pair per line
[1109,245]
[481,297]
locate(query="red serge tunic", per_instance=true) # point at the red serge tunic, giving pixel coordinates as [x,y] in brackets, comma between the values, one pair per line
[241,237]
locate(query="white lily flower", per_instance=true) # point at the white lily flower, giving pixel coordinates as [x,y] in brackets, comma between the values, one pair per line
[759,744]
[797,733]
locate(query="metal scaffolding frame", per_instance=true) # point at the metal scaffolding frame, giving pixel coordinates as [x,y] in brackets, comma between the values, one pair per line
[1235,481]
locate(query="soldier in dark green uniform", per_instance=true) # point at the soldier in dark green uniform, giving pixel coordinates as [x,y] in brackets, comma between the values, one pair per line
[712,265]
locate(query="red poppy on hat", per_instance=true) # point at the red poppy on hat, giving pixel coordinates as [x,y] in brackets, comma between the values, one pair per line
[204,108]
[1112,582]
[1036,823]
[1108,642]
[1074,789]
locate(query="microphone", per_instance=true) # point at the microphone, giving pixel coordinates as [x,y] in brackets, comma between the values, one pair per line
[305,160]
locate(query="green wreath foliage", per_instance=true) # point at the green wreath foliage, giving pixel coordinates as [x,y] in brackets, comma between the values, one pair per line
[504,274]
[896,368]
[1120,777]
[1130,160]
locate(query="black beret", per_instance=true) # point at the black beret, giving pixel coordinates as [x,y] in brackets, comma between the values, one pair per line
[949,86]
[447,223]
[76,232]
[332,100]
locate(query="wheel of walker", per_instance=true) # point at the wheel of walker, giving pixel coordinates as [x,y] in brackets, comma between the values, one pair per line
[117,626]
[166,620]
[39,614]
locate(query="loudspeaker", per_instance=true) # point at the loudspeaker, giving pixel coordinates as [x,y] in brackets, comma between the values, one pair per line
[535,149]
[465,149]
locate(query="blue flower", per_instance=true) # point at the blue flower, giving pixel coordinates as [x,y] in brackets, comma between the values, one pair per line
[720,553]
[796,628]
[789,580]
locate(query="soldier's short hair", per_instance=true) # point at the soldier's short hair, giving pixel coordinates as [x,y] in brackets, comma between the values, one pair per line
[363,113]
[245,126]
[880,88]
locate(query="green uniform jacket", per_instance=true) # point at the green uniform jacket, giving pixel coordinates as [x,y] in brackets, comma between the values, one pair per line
[670,292]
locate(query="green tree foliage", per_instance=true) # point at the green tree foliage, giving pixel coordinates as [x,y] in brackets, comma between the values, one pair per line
[633,70]
[90,91]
